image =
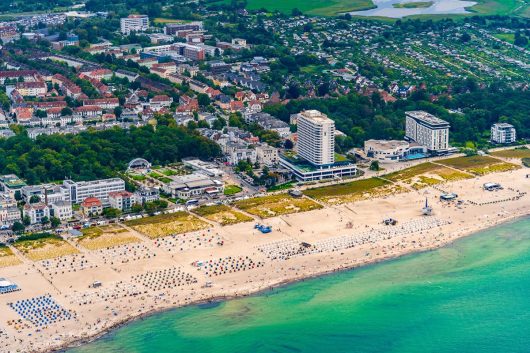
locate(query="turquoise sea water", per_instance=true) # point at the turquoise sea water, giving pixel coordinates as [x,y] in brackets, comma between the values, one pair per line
[472,296]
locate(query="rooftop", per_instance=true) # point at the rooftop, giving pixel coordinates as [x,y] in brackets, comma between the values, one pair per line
[316,116]
[426,117]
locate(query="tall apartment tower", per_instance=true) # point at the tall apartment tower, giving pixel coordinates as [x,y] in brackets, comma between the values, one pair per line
[427,130]
[134,23]
[316,138]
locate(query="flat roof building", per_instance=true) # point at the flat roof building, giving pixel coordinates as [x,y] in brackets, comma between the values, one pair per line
[134,23]
[316,138]
[503,133]
[427,130]
[79,191]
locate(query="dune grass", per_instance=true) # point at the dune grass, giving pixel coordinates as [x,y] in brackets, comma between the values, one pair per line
[479,165]
[276,205]
[167,224]
[222,214]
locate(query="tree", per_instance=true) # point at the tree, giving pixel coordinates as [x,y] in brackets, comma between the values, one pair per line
[45,220]
[521,41]
[66,111]
[464,38]
[26,220]
[137,208]
[111,212]
[34,199]
[296,12]
[55,222]
[18,227]
[203,100]
[288,144]
[118,111]
[374,166]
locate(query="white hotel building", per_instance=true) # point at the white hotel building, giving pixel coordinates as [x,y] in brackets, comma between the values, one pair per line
[316,138]
[79,191]
[427,130]
[134,23]
[315,158]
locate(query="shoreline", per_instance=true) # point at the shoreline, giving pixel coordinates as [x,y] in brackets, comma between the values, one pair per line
[341,237]
[280,284]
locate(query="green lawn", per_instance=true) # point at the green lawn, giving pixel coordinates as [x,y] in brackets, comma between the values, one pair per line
[310,7]
[232,190]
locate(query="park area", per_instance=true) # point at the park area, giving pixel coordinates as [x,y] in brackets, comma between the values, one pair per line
[479,165]
[43,246]
[353,191]
[7,258]
[276,205]
[222,214]
[426,174]
[167,224]
[96,238]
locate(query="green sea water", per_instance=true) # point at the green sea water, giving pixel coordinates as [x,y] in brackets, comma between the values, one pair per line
[471,296]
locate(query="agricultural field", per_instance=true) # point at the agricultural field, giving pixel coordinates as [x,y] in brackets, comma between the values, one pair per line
[44,248]
[232,190]
[310,7]
[95,238]
[426,174]
[353,191]
[479,165]
[7,258]
[513,153]
[222,214]
[167,224]
[276,205]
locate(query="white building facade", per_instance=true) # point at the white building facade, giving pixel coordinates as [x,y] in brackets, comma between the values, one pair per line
[134,23]
[100,189]
[427,130]
[503,133]
[316,138]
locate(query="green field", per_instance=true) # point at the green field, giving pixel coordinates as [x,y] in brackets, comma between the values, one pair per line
[310,7]
[232,190]
[508,37]
[413,5]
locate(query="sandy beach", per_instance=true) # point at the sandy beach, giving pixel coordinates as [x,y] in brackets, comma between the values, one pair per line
[153,275]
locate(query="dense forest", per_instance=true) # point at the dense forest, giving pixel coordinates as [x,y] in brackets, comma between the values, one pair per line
[98,154]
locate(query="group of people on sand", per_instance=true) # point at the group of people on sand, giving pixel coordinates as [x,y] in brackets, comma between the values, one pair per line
[166,278]
[287,248]
[187,241]
[229,264]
